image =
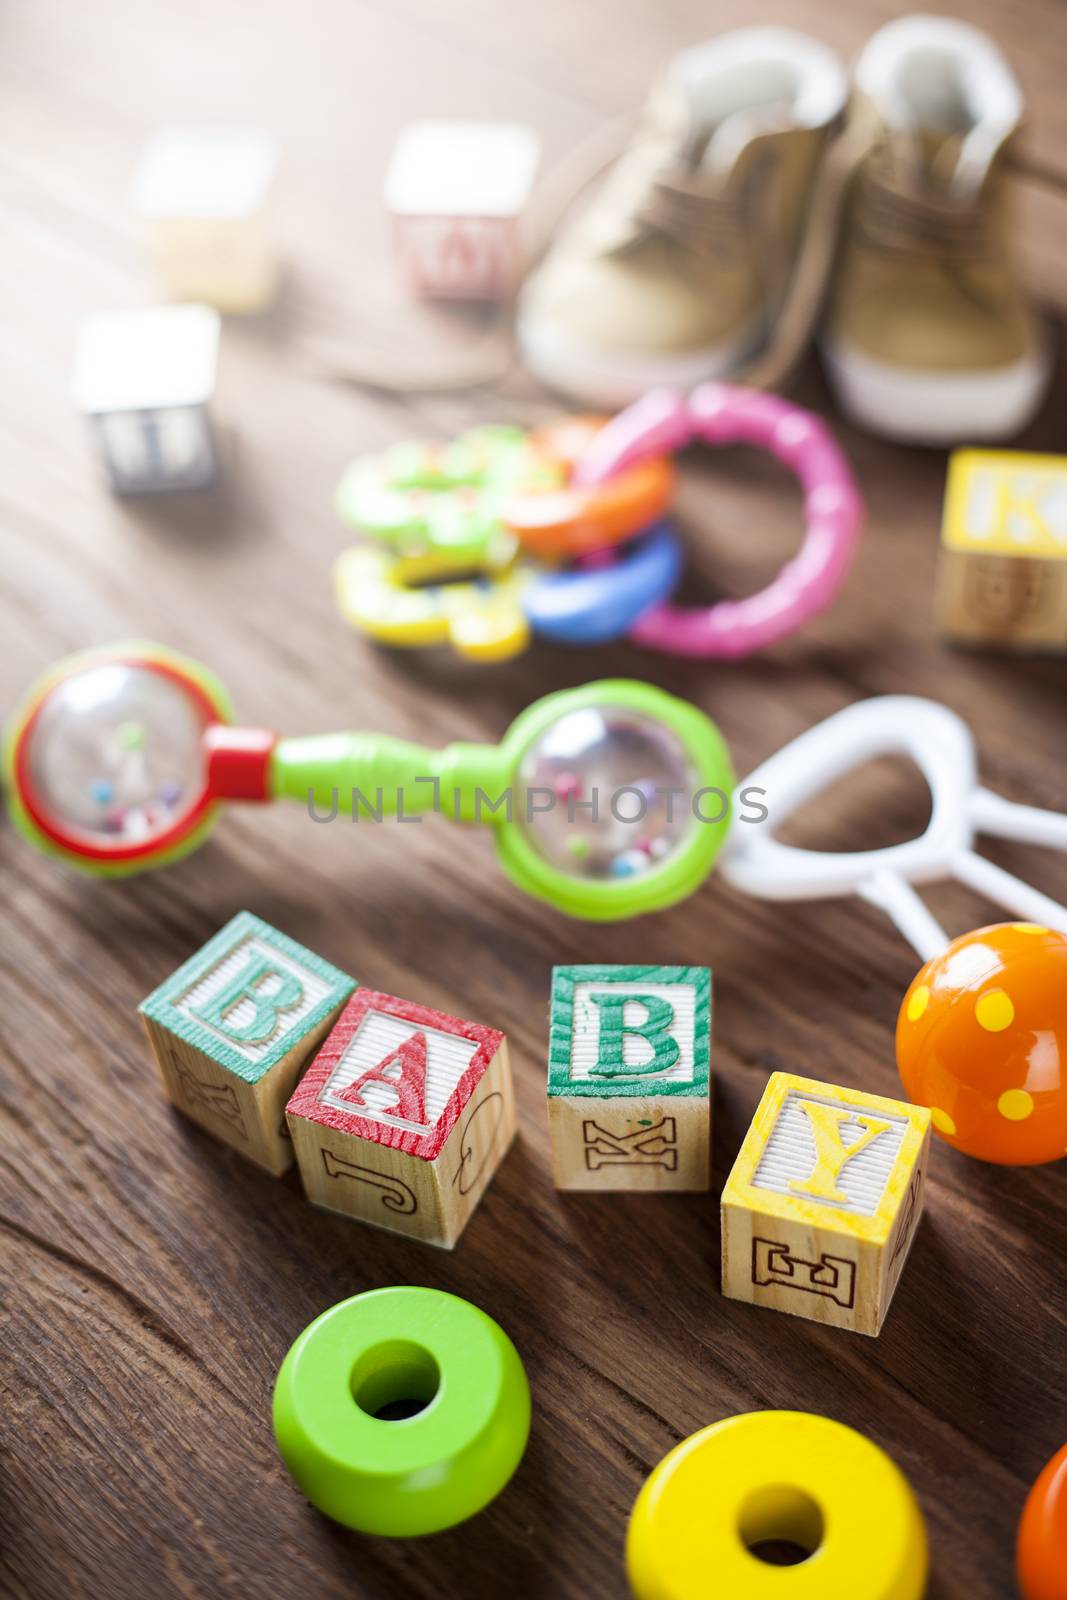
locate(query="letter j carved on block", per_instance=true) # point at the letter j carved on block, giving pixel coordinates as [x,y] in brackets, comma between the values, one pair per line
[403,1117]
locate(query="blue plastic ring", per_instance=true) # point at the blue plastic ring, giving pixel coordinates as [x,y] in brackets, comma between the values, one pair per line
[595,604]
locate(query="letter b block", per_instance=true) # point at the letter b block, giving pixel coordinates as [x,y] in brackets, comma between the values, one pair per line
[821,1208]
[629,1077]
[403,1117]
[232,1029]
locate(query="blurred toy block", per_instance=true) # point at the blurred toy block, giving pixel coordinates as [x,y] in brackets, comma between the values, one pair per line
[403,1117]
[821,1208]
[629,1077]
[234,1027]
[202,197]
[1002,577]
[455,191]
[145,379]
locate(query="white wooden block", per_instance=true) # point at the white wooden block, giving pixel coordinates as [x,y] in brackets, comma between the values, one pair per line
[144,378]
[456,191]
[202,195]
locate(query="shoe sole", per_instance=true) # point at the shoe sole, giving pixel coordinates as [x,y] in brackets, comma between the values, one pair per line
[609,381]
[936,408]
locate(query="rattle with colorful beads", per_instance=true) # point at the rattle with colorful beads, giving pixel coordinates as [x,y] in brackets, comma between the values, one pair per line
[500,503]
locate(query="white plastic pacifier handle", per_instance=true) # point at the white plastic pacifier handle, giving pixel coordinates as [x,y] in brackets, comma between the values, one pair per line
[940,744]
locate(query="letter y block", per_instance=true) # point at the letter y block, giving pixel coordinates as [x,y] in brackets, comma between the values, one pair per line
[234,1027]
[629,1077]
[821,1208]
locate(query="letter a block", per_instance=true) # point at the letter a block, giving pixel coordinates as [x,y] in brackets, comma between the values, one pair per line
[821,1207]
[403,1117]
[233,1028]
[629,1077]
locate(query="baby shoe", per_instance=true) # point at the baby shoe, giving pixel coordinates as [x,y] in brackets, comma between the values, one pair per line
[928,335]
[679,270]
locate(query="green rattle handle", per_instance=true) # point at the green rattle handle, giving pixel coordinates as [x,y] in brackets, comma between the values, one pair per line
[375,775]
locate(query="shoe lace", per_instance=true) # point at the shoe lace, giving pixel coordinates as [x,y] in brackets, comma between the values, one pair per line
[905,221]
[712,223]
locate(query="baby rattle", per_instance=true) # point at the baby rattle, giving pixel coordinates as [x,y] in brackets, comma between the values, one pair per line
[982,1030]
[118,760]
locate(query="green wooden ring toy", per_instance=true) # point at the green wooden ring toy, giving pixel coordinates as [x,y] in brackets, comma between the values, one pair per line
[402,1411]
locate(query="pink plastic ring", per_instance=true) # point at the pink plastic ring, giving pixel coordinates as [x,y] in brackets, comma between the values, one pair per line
[665,420]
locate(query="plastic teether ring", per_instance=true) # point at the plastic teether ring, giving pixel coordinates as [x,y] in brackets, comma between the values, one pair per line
[482,619]
[402,1411]
[597,603]
[665,421]
[776,1476]
[582,517]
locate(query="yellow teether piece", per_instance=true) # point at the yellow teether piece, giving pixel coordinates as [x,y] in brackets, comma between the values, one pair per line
[772,1476]
[483,620]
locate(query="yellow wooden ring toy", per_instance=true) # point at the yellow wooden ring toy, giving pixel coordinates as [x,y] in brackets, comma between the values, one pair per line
[773,1477]
[481,618]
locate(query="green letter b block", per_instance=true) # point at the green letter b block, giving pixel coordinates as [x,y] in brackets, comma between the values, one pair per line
[246,985]
[659,1016]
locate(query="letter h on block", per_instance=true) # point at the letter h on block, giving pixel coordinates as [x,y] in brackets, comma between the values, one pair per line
[629,1077]
[403,1117]
[232,1029]
[821,1208]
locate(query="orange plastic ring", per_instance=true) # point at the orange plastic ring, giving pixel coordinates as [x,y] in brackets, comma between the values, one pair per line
[1041,1552]
[574,520]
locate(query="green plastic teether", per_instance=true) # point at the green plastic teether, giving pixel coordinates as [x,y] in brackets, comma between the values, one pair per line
[445,502]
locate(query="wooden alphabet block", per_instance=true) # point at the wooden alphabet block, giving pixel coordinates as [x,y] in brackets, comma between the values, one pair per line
[1002,575]
[455,191]
[145,379]
[233,1028]
[821,1208]
[629,1077]
[403,1117]
[202,197]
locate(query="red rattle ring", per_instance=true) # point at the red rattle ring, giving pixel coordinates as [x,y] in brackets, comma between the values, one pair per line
[665,420]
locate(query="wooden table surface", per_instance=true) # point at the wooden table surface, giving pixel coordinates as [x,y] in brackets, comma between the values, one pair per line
[151,1281]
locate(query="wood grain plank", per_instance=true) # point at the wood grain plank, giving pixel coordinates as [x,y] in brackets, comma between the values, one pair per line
[152,1280]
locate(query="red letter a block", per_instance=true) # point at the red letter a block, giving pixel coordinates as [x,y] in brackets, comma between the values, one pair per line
[404,1072]
[403,1116]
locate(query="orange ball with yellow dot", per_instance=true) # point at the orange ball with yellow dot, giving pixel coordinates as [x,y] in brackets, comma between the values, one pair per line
[982,1041]
[1041,1552]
